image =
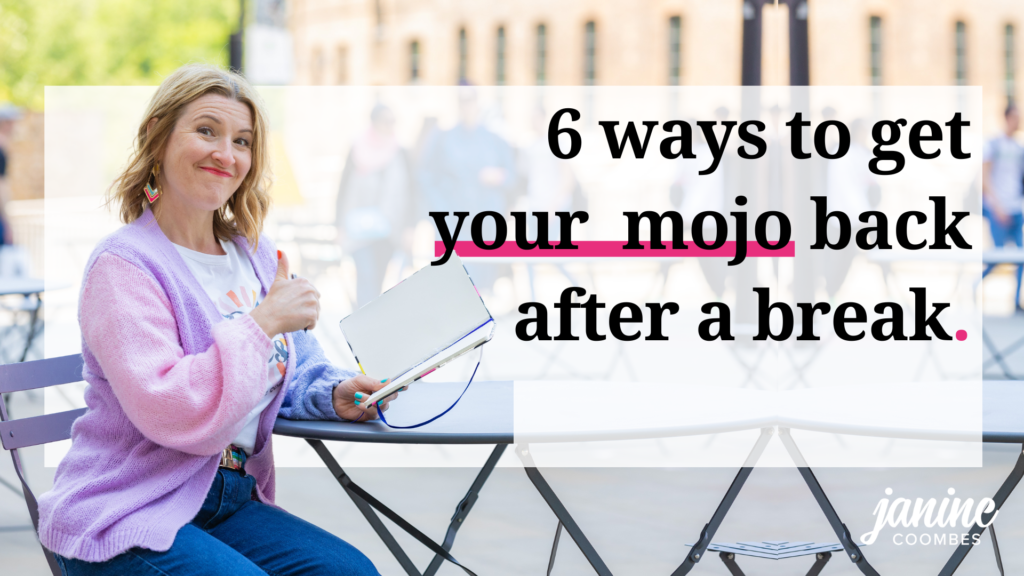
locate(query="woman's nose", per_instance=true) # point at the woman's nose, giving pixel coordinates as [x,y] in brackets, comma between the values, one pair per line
[224,153]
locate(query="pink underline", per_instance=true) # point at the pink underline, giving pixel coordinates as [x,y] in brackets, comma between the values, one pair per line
[614,249]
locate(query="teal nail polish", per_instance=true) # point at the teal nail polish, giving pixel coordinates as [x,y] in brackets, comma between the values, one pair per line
[384,380]
[359,394]
[357,402]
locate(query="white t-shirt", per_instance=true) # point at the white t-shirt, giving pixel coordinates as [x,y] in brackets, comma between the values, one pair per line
[1007,158]
[231,283]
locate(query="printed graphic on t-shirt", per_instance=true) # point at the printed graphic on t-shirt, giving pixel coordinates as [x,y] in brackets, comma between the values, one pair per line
[242,301]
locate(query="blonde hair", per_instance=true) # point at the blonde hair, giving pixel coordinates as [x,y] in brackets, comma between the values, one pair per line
[244,212]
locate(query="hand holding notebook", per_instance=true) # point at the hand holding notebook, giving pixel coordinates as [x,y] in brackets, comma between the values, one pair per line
[350,398]
[419,325]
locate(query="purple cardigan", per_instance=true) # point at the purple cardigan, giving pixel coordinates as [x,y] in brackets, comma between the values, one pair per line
[170,382]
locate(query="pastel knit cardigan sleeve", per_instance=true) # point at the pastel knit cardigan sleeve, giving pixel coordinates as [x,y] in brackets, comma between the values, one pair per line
[192,403]
[310,396]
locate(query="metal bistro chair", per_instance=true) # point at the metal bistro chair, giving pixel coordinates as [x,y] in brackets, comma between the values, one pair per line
[15,434]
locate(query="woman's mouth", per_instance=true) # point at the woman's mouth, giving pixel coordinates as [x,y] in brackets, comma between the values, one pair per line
[216,172]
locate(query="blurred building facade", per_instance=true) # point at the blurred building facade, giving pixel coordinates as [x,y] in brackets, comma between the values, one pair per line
[26,169]
[656,42]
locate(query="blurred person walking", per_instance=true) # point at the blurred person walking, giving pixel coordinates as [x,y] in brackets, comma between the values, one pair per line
[470,168]
[551,187]
[374,208]
[1003,190]
[9,114]
[692,193]
[851,188]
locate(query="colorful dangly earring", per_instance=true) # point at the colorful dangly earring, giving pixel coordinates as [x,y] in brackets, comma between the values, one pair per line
[152,191]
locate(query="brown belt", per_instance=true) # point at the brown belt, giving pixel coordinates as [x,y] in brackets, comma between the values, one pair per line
[233,458]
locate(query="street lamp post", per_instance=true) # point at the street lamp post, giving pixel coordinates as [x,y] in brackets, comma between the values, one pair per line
[750,72]
[799,60]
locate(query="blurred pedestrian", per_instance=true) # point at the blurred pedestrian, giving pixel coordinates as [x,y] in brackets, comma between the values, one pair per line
[851,188]
[9,114]
[374,202]
[1003,190]
[692,193]
[470,168]
[551,187]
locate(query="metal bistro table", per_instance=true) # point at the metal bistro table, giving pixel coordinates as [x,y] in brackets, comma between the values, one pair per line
[484,416]
[1002,423]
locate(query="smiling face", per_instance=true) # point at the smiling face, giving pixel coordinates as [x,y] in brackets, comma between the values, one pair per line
[208,154]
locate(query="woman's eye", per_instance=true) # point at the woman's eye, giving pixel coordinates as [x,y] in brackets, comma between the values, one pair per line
[242,142]
[205,131]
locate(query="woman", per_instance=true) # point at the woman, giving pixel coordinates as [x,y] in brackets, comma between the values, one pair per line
[171,469]
[373,207]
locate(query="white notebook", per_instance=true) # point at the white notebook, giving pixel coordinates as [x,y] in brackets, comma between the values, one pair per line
[421,324]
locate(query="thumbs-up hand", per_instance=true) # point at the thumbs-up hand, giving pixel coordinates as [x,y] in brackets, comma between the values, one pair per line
[290,305]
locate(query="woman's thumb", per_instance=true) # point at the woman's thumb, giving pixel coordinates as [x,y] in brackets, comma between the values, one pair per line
[282,266]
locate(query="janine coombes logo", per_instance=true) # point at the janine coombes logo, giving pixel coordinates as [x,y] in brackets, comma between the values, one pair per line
[930,523]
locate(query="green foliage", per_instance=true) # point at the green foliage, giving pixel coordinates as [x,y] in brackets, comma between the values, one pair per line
[106,42]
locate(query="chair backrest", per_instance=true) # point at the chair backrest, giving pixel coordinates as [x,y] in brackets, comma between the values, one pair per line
[37,430]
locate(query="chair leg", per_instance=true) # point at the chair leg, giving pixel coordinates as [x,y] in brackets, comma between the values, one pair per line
[32,327]
[1000,498]
[852,551]
[708,533]
[819,564]
[367,511]
[729,559]
[465,505]
[544,489]
[366,504]
[995,548]
[33,511]
[554,548]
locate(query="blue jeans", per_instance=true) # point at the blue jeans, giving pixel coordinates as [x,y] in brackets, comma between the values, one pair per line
[1001,234]
[234,534]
